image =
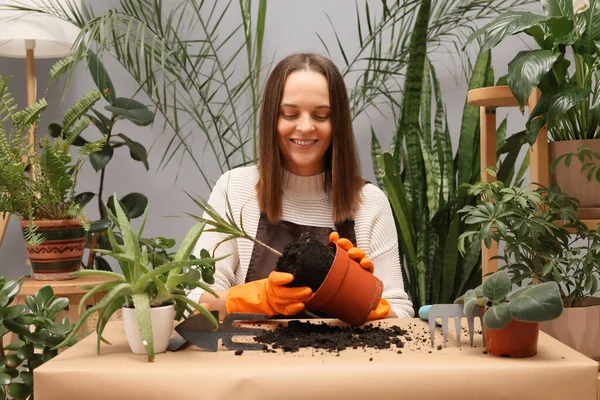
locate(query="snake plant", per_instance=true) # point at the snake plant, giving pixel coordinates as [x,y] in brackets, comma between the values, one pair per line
[423,181]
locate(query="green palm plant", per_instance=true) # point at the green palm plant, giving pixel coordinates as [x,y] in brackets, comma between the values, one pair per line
[177,55]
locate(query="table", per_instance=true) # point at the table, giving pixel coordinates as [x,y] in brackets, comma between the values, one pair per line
[420,372]
[70,288]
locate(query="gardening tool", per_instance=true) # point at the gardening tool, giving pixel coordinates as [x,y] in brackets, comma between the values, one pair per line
[199,331]
[446,311]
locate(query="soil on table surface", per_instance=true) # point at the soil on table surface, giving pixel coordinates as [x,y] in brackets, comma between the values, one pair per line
[308,259]
[319,335]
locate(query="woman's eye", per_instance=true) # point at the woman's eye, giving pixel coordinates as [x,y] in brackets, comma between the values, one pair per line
[321,117]
[289,116]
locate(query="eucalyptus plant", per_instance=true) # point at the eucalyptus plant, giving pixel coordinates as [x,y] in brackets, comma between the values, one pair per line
[38,333]
[536,249]
[146,281]
[38,178]
[529,304]
[570,101]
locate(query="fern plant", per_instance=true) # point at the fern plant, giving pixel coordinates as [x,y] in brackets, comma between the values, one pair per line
[38,179]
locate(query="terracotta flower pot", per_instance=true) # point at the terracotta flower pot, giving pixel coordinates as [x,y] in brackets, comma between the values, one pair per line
[518,339]
[60,253]
[348,293]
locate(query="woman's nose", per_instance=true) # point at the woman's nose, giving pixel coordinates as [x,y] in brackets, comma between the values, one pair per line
[305,125]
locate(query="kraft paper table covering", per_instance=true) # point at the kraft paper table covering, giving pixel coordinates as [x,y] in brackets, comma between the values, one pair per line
[556,372]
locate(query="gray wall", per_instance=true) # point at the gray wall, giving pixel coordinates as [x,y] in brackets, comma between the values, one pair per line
[291,27]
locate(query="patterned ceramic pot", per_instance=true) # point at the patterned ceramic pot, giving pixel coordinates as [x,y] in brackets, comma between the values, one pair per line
[60,253]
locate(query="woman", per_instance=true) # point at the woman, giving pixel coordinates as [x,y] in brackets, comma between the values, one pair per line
[308,180]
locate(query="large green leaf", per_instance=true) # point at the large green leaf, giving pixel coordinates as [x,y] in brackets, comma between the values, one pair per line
[497,286]
[527,69]
[100,159]
[135,204]
[558,8]
[497,317]
[554,105]
[537,303]
[467,149]
[131,110]
[100,77]
[141,303]
[504,25]
[137,151]
[450,260]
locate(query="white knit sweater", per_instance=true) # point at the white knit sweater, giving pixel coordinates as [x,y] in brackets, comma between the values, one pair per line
[305,203]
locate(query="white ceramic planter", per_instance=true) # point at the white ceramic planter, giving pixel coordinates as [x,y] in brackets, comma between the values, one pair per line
[162,326]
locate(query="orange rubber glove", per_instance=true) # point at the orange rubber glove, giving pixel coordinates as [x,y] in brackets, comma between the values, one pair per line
[383,308]
[355,253]
[268,296]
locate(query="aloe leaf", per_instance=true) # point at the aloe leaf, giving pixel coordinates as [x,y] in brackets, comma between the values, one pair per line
[141,302]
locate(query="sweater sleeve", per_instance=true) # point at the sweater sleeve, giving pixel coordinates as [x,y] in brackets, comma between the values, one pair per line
[383,246]
[225,268]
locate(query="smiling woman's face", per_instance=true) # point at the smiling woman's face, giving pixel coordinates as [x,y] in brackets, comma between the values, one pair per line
[304,123]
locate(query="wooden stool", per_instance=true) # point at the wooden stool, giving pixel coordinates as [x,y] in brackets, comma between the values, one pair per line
[71,289]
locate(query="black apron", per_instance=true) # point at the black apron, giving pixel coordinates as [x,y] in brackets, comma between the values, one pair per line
[277,236]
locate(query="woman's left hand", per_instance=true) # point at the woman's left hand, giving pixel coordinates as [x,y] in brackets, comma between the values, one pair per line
[383,308]
[356,253]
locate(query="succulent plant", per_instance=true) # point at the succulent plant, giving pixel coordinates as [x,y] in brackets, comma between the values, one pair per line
[535,303]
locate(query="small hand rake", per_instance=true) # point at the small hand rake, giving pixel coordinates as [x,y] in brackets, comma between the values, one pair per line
[455,311]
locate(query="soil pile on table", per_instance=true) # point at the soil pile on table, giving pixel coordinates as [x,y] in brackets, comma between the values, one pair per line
[308,259]
[298,334]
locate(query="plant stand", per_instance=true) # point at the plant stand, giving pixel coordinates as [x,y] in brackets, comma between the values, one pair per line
[71,289]
[488,99]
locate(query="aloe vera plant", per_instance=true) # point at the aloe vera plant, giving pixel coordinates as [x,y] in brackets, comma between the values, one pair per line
[141,286]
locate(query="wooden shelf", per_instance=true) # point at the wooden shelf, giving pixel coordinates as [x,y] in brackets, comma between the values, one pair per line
[495,96]
[590,223]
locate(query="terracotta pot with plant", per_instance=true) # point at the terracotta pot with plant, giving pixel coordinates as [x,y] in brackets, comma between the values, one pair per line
[569,105]
[151,290]
[38,180]
[342,288]
[511,320]
[538,250]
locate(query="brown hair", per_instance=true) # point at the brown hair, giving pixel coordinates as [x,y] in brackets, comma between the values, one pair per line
[342,170]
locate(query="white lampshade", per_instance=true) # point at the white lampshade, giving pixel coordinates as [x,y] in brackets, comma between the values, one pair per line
[51,36]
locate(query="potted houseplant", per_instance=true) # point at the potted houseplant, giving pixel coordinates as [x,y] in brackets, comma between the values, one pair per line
[327,269]
[37,184]
[511,320]
[150,290]
[35,324]
[107,125]
[570,91]
[539,250]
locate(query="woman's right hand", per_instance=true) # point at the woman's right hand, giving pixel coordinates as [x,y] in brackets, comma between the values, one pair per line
[268,296]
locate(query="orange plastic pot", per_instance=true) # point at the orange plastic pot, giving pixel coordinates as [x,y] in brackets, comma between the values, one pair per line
[348,292]
[518,339]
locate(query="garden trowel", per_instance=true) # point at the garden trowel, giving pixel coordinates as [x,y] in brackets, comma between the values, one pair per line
[455,311]
[200,331]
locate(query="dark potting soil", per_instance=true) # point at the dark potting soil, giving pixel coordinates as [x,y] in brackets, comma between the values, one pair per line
[308,259]
[298,334]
